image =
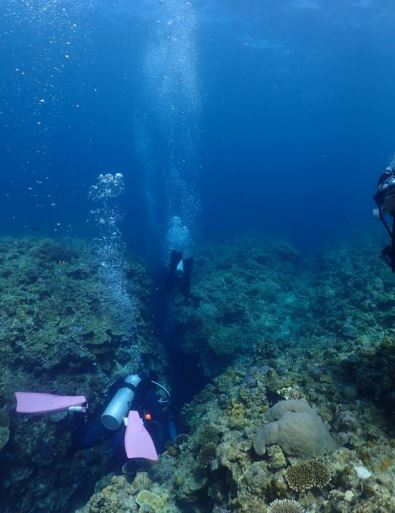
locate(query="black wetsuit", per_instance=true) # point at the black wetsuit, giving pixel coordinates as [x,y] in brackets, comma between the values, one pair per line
[388,253]
[174,279]
[87,434]
[385,188]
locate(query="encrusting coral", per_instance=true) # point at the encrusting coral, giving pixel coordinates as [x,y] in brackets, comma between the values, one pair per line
[285,506]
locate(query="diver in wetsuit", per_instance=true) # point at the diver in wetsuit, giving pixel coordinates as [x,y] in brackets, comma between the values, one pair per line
[178,272]
[385,201]
[133,392]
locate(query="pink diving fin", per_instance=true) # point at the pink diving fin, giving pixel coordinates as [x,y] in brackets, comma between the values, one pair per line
[138,442]
[32,402]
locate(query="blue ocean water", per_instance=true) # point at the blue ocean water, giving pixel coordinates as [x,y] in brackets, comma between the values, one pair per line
[276,116]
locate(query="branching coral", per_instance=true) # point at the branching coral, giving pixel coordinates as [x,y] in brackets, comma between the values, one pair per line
[310,474]
[207,434]
[206,455]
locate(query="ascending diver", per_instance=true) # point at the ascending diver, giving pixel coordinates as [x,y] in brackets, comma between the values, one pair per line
[385,200]
[179,273]
[179,269]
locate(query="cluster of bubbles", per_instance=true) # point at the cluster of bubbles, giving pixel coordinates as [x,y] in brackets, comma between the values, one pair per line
[173,101]
[108,187]
[110,247]
[179,237]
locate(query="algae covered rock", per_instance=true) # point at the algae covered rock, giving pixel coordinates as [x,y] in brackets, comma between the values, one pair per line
[299,431]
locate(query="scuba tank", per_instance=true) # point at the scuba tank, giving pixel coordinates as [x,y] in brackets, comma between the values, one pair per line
[119,406]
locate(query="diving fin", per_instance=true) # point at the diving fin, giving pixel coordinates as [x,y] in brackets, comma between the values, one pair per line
[32,402]
[138,442]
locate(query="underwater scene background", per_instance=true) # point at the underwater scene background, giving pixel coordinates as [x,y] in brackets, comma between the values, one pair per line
[186,198]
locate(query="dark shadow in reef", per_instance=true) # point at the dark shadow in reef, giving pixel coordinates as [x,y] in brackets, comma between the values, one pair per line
[373,375]
[185,376]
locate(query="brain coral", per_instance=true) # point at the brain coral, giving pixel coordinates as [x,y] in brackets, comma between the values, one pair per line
[285,506]
[310,474]
[299,431]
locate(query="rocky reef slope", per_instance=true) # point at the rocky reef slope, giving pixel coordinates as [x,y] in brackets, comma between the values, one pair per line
[317,335]
[244,294]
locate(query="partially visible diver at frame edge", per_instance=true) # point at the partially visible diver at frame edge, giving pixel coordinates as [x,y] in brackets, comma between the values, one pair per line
[385,201]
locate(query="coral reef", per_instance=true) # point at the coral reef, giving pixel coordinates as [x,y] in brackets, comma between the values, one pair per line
[307,475]
[243,294]
[57,335]
[299,431]
[285,506]
[206,455]
[338,346]
[310,355]
[151,503]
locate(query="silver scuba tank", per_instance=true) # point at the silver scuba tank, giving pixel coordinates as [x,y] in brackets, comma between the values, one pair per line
[120,404]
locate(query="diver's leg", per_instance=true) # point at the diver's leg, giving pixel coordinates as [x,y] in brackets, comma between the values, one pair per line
[170,279]
[85,435]
[186,283]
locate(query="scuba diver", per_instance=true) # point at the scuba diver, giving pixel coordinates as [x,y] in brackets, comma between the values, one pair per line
[135,420]
[178,272]
[385,200]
